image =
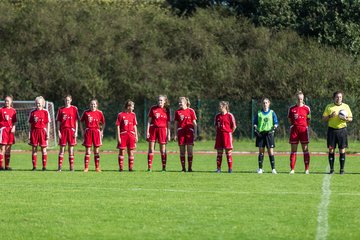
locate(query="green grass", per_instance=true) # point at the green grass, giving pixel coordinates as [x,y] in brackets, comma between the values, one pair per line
[175,205]
[243,145]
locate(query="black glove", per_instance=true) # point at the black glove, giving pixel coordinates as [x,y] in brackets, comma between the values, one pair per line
[256,132]
[272,131]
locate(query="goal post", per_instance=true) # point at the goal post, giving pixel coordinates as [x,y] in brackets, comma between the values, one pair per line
[23,109]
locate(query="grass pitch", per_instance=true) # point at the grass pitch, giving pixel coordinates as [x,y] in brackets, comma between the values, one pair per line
[176,205]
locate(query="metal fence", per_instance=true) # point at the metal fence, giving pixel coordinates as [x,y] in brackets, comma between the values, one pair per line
[244,112]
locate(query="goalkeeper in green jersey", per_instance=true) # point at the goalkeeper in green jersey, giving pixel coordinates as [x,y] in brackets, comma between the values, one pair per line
[265,123]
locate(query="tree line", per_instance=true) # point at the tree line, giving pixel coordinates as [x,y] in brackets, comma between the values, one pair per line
[114,50]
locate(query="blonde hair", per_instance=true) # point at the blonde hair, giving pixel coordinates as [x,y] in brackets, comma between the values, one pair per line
[225,104]
[167,103]
[128,103]
[187,100]
[11,97]
[265,98]
[68,96]
[299,92]
[40,98]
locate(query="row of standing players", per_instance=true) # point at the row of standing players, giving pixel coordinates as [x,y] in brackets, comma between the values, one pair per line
[337,114]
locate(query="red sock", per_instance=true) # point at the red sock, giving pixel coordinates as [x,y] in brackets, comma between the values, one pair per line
[71,161]
[219,160]
[163,160]
[1,160]
[229,160]
[182,160]
[86,161]
[34,158]
[131,162]
[60,160]
[150,160]
[7,160]
[44,160]
[97,160]
[121,162]
[306,160]
[190,159]
[292,160]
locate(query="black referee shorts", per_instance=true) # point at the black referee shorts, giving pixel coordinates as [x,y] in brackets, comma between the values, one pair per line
[265,139]
[337,136]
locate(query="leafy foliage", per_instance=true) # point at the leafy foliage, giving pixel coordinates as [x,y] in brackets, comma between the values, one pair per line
[114,50]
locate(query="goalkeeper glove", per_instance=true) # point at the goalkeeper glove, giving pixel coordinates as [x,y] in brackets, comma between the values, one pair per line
[256,132]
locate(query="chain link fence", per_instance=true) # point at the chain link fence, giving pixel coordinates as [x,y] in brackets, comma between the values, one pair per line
[244,112]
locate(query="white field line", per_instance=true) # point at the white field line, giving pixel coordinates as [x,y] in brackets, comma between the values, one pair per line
[322,219]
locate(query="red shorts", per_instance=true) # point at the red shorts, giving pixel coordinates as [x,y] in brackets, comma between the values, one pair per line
[224,140]
[185,137]
[299,133]
[92,136]
[38,137]
[67,137]
[157,134]
[6,136]
[128,140]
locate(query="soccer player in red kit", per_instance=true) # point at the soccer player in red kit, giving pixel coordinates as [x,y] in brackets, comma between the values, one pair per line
[299,116]
[94,128]
[158,129]
[7,130]
[185,131]
[67,123]
[39,121]
[225,126]
[126,125]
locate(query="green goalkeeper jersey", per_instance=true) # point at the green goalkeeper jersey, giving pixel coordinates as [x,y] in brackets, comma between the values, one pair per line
[266,120]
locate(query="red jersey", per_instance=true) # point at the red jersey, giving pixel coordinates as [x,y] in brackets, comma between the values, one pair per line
[126,121]
[225,122]
[159,116]
[185,118]
[93,119]
[39,118]
[299,116]
[7,117]
[67,116]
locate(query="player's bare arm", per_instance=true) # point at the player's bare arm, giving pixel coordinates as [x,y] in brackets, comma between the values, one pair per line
[136,134]
[118,134]
[195,129]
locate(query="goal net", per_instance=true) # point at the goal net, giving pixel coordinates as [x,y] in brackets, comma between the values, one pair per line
[23,109]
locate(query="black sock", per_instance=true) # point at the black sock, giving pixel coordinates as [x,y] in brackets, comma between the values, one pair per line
[331,160]
[260,160]
[272,161]
[342,161]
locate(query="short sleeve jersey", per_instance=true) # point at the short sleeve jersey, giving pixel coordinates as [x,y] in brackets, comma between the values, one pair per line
[93,119]
[225,122]
[7,117]
[126,121]
[185,118]
[299,115]
[336,122]
[159,116]
[39,118]
[67,116]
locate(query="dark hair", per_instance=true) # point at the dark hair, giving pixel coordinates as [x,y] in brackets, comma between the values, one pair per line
[338,92]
